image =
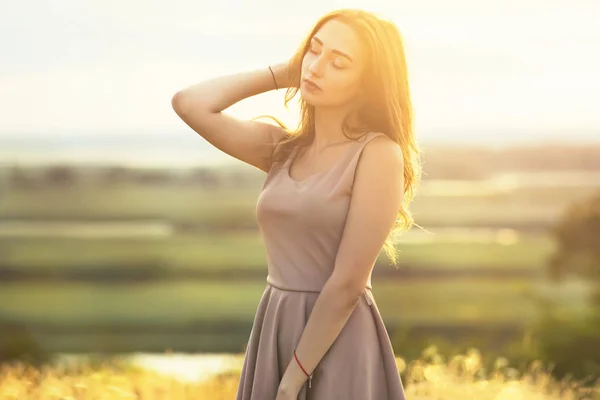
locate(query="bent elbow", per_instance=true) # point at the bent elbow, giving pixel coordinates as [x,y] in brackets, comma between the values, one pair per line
[178,103]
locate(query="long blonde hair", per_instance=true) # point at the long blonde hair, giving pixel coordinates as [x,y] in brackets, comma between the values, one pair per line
[386,105]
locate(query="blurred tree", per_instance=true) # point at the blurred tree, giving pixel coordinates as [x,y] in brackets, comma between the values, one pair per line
[153,177]
[577,236]
[60,175]
[571,342]
[18,178]
[18,343]
[205,178]
[115,174]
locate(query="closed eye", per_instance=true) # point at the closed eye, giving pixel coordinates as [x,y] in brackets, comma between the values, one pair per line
[313,49]
[336,61]
[338,64]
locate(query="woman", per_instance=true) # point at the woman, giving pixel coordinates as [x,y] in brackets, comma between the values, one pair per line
[324,216]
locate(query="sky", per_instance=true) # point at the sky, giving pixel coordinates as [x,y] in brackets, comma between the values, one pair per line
[511,67]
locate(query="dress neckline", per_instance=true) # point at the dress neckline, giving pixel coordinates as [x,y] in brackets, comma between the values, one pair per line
[292,158]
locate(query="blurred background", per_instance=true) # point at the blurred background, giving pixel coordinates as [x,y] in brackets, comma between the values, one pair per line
[122,231]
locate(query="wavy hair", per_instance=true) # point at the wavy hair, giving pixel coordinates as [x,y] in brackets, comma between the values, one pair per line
[385,105]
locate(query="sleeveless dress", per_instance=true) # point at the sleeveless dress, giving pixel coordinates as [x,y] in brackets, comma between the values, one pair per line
[301,223]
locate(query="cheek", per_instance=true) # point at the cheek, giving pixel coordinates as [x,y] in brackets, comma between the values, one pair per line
[345,85]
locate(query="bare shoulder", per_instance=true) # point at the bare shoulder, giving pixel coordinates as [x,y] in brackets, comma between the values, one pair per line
[382,153]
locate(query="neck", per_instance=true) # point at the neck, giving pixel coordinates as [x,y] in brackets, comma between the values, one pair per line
[328,126]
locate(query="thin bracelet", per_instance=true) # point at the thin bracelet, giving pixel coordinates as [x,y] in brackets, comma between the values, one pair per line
[309,376]
[274,81]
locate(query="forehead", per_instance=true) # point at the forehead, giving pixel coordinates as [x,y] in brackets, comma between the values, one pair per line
[339,36]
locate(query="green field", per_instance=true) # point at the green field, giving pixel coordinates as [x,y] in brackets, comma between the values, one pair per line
[246,251]
[230,207]
[162,230]
[167,303]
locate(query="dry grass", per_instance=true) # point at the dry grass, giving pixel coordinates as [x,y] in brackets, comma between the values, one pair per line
[428,378]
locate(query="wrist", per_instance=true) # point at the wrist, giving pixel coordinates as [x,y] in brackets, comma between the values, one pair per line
[281,75]
[293,378]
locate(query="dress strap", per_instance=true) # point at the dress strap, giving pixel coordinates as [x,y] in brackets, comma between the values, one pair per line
[343,179]
[351,168]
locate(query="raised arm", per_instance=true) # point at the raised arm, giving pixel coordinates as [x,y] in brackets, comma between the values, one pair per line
[200,106]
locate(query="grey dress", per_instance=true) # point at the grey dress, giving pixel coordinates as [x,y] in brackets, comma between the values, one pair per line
[301,223]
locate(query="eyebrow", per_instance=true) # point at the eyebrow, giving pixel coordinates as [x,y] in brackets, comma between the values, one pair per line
[341,53]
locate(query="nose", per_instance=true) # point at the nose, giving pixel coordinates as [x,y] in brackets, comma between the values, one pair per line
[316,67]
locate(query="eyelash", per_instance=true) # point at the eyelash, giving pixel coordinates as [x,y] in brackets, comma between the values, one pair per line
[311,50]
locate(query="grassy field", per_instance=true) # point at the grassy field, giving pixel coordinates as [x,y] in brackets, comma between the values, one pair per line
[431,377]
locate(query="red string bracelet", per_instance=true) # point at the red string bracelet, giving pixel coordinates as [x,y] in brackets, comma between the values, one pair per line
[309,376]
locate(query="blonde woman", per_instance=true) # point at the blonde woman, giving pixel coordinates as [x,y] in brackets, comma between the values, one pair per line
[337,188]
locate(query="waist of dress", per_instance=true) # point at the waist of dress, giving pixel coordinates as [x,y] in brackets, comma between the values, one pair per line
[367,290]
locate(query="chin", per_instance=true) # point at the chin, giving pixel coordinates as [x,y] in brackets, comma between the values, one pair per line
[310,98]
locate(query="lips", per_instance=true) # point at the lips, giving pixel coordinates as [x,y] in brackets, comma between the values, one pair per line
[311,84]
